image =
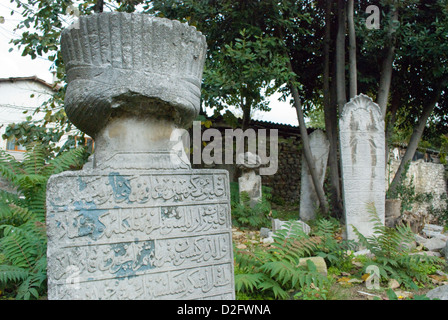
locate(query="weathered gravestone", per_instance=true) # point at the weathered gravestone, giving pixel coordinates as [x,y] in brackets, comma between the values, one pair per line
[137,223]
[250,181]
[362,147]
[309,202]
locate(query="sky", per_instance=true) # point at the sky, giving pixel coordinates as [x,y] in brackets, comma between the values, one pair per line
[12,64]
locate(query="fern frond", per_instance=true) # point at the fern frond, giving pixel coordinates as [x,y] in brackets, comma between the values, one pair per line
[290,229]
[37,204]
[17,251]
[9,167]
[21,245]
[325,228]
[282,271]
[12,214]
[10,273]
[22,218]
[247,260]
[70,159]
[271,285]
[34,159]
[247,282]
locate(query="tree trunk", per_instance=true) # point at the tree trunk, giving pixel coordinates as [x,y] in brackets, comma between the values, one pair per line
[394,105]
[331,121]
[386,67]
[415,139]
[306,146]
[246,117]
[303,132]
[340,56]
[352,49]
[98,7]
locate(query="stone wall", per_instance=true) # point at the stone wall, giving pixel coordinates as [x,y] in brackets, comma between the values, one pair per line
[285,183]
[426,177]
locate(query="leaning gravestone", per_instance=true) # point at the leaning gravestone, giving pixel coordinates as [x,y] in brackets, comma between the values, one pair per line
[137,223]
[309,202]
[362,148]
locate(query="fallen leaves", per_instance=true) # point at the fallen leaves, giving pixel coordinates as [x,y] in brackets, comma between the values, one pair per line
[346,281]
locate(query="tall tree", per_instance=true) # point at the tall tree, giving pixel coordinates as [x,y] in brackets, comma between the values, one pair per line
[399,64]
[331,114]
[352,49]
[340,56]
[386,67]
[422,71]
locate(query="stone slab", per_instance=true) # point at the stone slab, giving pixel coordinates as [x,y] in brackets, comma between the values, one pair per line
[250,182]
[309,201]
[440,293]
[362,146]
[139,234]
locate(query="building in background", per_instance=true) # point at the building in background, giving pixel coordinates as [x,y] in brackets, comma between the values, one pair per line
[19,97]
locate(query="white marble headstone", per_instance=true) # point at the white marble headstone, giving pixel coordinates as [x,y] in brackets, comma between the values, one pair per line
[362,146]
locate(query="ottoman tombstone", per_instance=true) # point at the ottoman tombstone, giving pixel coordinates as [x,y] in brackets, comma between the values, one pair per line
[137,222]
[362,145]
[250,181]
[309,202]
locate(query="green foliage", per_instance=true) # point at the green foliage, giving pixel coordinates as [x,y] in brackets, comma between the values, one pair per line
[390,247]
[335,253]
[23,259]
[275,271]
[243,215]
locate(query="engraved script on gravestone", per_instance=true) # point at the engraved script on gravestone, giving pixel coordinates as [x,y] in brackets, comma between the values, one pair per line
[167,235]
[362,147]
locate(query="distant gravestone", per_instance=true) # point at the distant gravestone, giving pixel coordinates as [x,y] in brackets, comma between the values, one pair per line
[309,201]
[362,146]
[137,222]
[250,181]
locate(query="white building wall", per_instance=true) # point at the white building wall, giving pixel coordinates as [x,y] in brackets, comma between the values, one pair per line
[17,97]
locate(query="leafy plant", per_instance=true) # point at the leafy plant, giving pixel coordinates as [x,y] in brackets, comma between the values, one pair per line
[275,271]
[389,247]
[22,219]
[336,253]
[243,215]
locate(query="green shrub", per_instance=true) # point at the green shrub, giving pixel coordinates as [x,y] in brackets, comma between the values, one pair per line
[23,238]
[244,216]
[336,253]
[391,253]
[275,272]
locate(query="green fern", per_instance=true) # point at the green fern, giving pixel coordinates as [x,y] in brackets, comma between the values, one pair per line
[389,247]
[333,251]
[248,282]
[245,216]
[22,219]
[292,243]
[275,271]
